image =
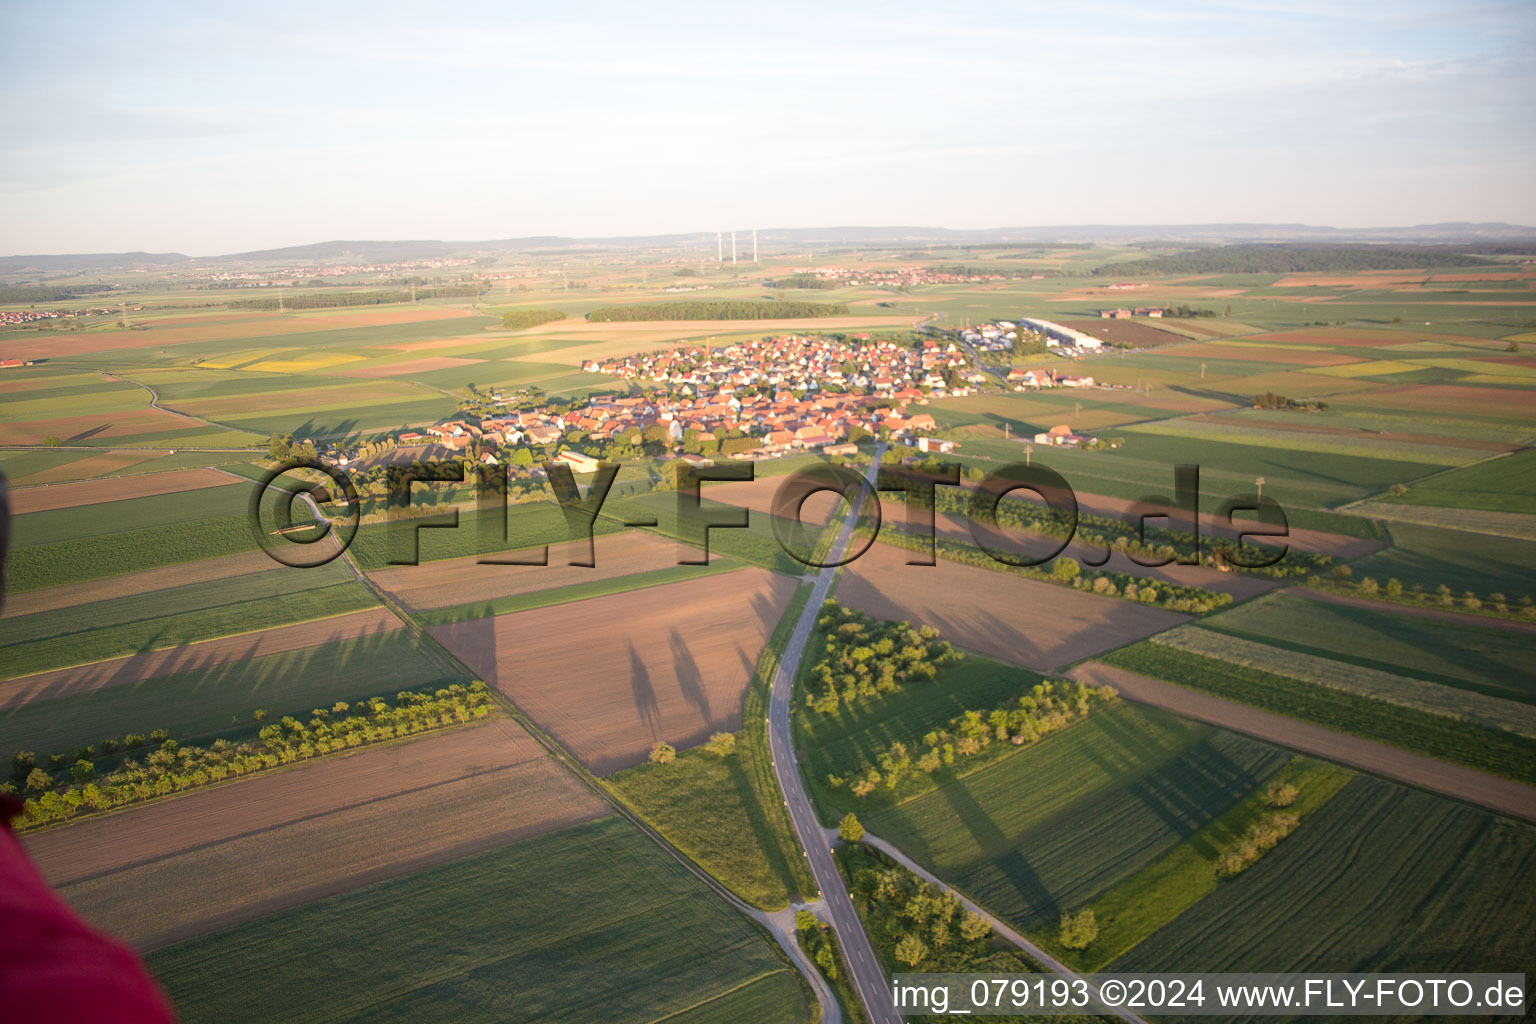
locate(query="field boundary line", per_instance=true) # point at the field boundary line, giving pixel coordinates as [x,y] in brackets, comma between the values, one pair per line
[1035,952]
[718,996]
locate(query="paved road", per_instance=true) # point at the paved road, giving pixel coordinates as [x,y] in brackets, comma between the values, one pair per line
[1503,796]
[1037,954]
[858,954]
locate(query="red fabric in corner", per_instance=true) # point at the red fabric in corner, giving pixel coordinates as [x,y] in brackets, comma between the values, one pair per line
[53,968]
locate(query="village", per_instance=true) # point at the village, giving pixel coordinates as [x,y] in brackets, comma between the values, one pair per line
[751,400]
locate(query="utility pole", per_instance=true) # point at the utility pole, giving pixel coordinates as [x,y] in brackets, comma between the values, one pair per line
[1202,371]
[719,248]
[1028,451]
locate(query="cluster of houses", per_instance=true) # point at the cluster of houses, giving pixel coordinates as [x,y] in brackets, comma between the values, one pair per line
[12,317]
[1035,378]
[792,362]
[1125,314]
[770,393]
[900,276]
[1002,335]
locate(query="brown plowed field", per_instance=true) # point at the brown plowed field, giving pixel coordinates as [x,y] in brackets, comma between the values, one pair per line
[410,366]
[90,466]
[1299,357]
[1126,332]
[144,582]
[1503,796]
[1452,399]
[609,676]
[65,682]
[463,580]
[1335,544]
[92,492]
[1240,586]
[211,858]
[1373,435]
[90,427]
[757,495]
[999,614]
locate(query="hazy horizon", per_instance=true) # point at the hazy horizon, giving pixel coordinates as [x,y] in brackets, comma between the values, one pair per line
[206,134]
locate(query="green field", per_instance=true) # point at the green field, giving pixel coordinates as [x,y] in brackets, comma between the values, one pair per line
[1492,661]
[1380,878]
[1157,894]
[1428,556]
[590,924]
[83,522]
[194,700]
[1506,484]
[62,638]
[1048,828]
[839,742]
[1449,739]
[528,524]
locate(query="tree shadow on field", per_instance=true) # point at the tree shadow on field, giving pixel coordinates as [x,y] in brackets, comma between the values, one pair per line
[761,831]
[689,679]
[1038,902]
[644,693]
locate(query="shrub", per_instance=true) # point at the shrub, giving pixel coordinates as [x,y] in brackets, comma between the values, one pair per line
[663,752]
[1079,930]
[849,830]
[1281,794]
[721,744]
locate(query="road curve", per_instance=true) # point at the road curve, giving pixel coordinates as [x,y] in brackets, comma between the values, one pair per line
[1502,796]
[868,977]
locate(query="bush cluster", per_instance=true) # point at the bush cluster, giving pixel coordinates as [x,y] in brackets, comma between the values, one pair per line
[924,926]
[1262,836]
[171,767]
[863,657]
[1048,707]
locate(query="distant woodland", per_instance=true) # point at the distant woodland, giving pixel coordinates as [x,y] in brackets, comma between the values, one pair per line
[1293,259]
[727,310]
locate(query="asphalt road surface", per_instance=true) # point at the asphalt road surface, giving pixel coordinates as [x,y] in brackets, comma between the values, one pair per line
[868,977]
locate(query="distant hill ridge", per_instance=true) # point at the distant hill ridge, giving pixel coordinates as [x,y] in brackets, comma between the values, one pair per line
[385,251]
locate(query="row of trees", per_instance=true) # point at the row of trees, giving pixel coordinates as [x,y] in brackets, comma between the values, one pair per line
[171,767]
[1292,259]
[862,657]
[329,300]
[1495,602]
[519,319]
[730,309]
[1270,400]
[806,281]
[1048,707]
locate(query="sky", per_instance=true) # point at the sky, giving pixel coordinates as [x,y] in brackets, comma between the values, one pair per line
[182,127]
